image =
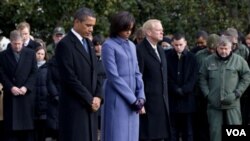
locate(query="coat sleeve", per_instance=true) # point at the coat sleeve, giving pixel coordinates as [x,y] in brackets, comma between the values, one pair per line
[64,58]
[140,59]
[138,76]
[118,83]
[6,82]
[244,81]
[203,79]
[98,89]
[139,84]
[52,89]
[29,84]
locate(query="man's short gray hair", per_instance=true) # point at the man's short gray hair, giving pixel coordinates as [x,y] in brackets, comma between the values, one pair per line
[225,41]
[15,35]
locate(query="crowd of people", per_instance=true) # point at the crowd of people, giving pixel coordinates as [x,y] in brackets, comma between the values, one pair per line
[152,87]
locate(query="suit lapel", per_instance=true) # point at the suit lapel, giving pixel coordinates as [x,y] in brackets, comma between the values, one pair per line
[161,53]
[151,50]
[85,55]
[91,53]
[79,47]
[13,63]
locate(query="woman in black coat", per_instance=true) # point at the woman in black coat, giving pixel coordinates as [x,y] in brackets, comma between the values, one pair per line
[41,94]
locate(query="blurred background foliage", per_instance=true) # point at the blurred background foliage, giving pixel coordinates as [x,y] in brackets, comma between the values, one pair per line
[186,16]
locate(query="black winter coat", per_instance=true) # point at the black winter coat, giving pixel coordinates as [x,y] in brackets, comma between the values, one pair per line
[182,74]
[41,93]
[155,124]
[78,73]
[18,110]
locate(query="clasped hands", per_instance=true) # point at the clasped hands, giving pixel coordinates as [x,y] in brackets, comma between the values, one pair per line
[96,103]
[18,91]
[138,106]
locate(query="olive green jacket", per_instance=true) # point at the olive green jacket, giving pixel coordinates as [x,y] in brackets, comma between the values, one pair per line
[202,55]
[242,50]
[220,81]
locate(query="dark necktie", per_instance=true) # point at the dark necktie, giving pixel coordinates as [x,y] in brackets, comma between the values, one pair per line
[85,46]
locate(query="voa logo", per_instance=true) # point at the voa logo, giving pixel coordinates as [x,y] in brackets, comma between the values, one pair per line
[236,132]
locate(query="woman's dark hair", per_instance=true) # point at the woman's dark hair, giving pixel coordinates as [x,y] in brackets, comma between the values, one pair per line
[121,21]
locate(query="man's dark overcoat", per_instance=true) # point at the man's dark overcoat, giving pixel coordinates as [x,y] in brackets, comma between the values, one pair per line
[19,110]
[78,73]
[182,74]
[155,123]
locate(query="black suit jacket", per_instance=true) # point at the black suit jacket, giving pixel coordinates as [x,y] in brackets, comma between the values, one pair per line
[19,112]
[79,85]
[154,74]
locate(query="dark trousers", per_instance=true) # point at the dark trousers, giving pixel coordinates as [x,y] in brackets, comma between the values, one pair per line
[182,126]
[201,126]
[1,131]
[26,135]
[40,130]
[245,107]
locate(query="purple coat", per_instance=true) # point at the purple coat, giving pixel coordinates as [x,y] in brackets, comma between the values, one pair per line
[121,89]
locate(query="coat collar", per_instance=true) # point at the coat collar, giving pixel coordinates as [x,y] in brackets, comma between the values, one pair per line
[119,40]
[11,56]
[184,53]
[16,65]
[150,49]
